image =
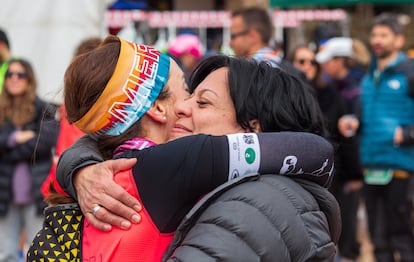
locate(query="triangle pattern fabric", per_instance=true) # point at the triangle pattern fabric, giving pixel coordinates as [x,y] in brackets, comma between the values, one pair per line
[59,239]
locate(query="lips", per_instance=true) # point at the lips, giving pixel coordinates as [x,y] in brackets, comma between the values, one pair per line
[178,131]
[377,48]
[181,129]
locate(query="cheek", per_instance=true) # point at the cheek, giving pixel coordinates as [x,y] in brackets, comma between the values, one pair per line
[233,44]
[179,98]
[300,67]
[228,123]
[236,43]
[208,122]
[325,67]
[17,88]
[312,69]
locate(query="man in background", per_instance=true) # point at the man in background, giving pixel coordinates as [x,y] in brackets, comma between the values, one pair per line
[343,73]
[387,104]
[251,30]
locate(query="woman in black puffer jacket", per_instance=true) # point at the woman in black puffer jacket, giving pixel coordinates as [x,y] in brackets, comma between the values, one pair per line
[27,135]
[260,218]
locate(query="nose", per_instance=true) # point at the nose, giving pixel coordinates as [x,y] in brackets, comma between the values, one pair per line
[231,43]
[183,108]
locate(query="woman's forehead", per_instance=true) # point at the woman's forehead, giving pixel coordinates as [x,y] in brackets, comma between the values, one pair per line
[176,80]
[16,64]
[175,70]
[216,80]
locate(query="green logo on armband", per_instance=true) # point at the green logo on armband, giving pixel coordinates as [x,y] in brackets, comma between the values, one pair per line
[249,155]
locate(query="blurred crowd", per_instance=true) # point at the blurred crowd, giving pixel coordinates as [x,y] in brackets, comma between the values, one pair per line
[365,91]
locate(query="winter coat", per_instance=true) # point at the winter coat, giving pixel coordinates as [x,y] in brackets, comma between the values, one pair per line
[260,218]
[37,152]
[387,103]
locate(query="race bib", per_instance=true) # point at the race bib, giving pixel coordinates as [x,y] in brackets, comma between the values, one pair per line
[244,158]
[378,176]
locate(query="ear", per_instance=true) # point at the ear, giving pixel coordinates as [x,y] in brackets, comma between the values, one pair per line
[254,34]
[255,126]
[157,112]
[400,41]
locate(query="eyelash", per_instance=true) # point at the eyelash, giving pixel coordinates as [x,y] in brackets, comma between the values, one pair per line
[201,103]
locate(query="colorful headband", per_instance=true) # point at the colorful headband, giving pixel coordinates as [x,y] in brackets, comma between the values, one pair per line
[140,74]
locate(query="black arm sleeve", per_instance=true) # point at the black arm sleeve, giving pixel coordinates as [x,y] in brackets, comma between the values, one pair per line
[171,177]
[82,153]
[201,163]
[296,154]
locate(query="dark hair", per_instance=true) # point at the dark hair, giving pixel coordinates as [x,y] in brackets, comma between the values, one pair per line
[85,80]
[87,45]
[4,38]
[87,76]
[258,19]
[293,52]
[278,100]
[25,112]
[389,20]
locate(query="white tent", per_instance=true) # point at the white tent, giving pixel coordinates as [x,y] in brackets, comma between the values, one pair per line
[46,32]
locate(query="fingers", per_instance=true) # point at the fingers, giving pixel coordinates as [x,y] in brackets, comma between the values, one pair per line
[348,125]
[24,136]
[398,136]
[124,204]
[118,193]
[121,164]
[95,186]
[96,222]
[119,213]
[103,219]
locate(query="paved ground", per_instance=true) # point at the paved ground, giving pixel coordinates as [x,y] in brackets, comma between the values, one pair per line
[363,236]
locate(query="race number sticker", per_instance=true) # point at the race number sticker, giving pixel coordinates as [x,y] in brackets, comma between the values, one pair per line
[244,155]
[378,176]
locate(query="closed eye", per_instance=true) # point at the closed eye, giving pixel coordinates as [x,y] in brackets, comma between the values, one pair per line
[202,103]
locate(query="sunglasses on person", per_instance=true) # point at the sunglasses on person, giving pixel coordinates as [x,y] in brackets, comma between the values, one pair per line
[235,35]
[20,75]
[303,61]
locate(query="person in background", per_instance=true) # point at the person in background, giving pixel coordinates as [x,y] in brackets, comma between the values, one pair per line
[388,103]
[333,108]
[303,58]
[5,55]
[188,50]
[68,133]
[329,98]
[251,30]
[27,135]
[341,71]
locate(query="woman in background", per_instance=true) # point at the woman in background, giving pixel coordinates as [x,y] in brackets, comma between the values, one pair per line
[27,135]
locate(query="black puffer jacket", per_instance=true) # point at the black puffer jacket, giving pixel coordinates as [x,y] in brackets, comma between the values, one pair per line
[260,218]
[37,152]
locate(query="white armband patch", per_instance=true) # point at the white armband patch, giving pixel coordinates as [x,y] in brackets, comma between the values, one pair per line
[244,154]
